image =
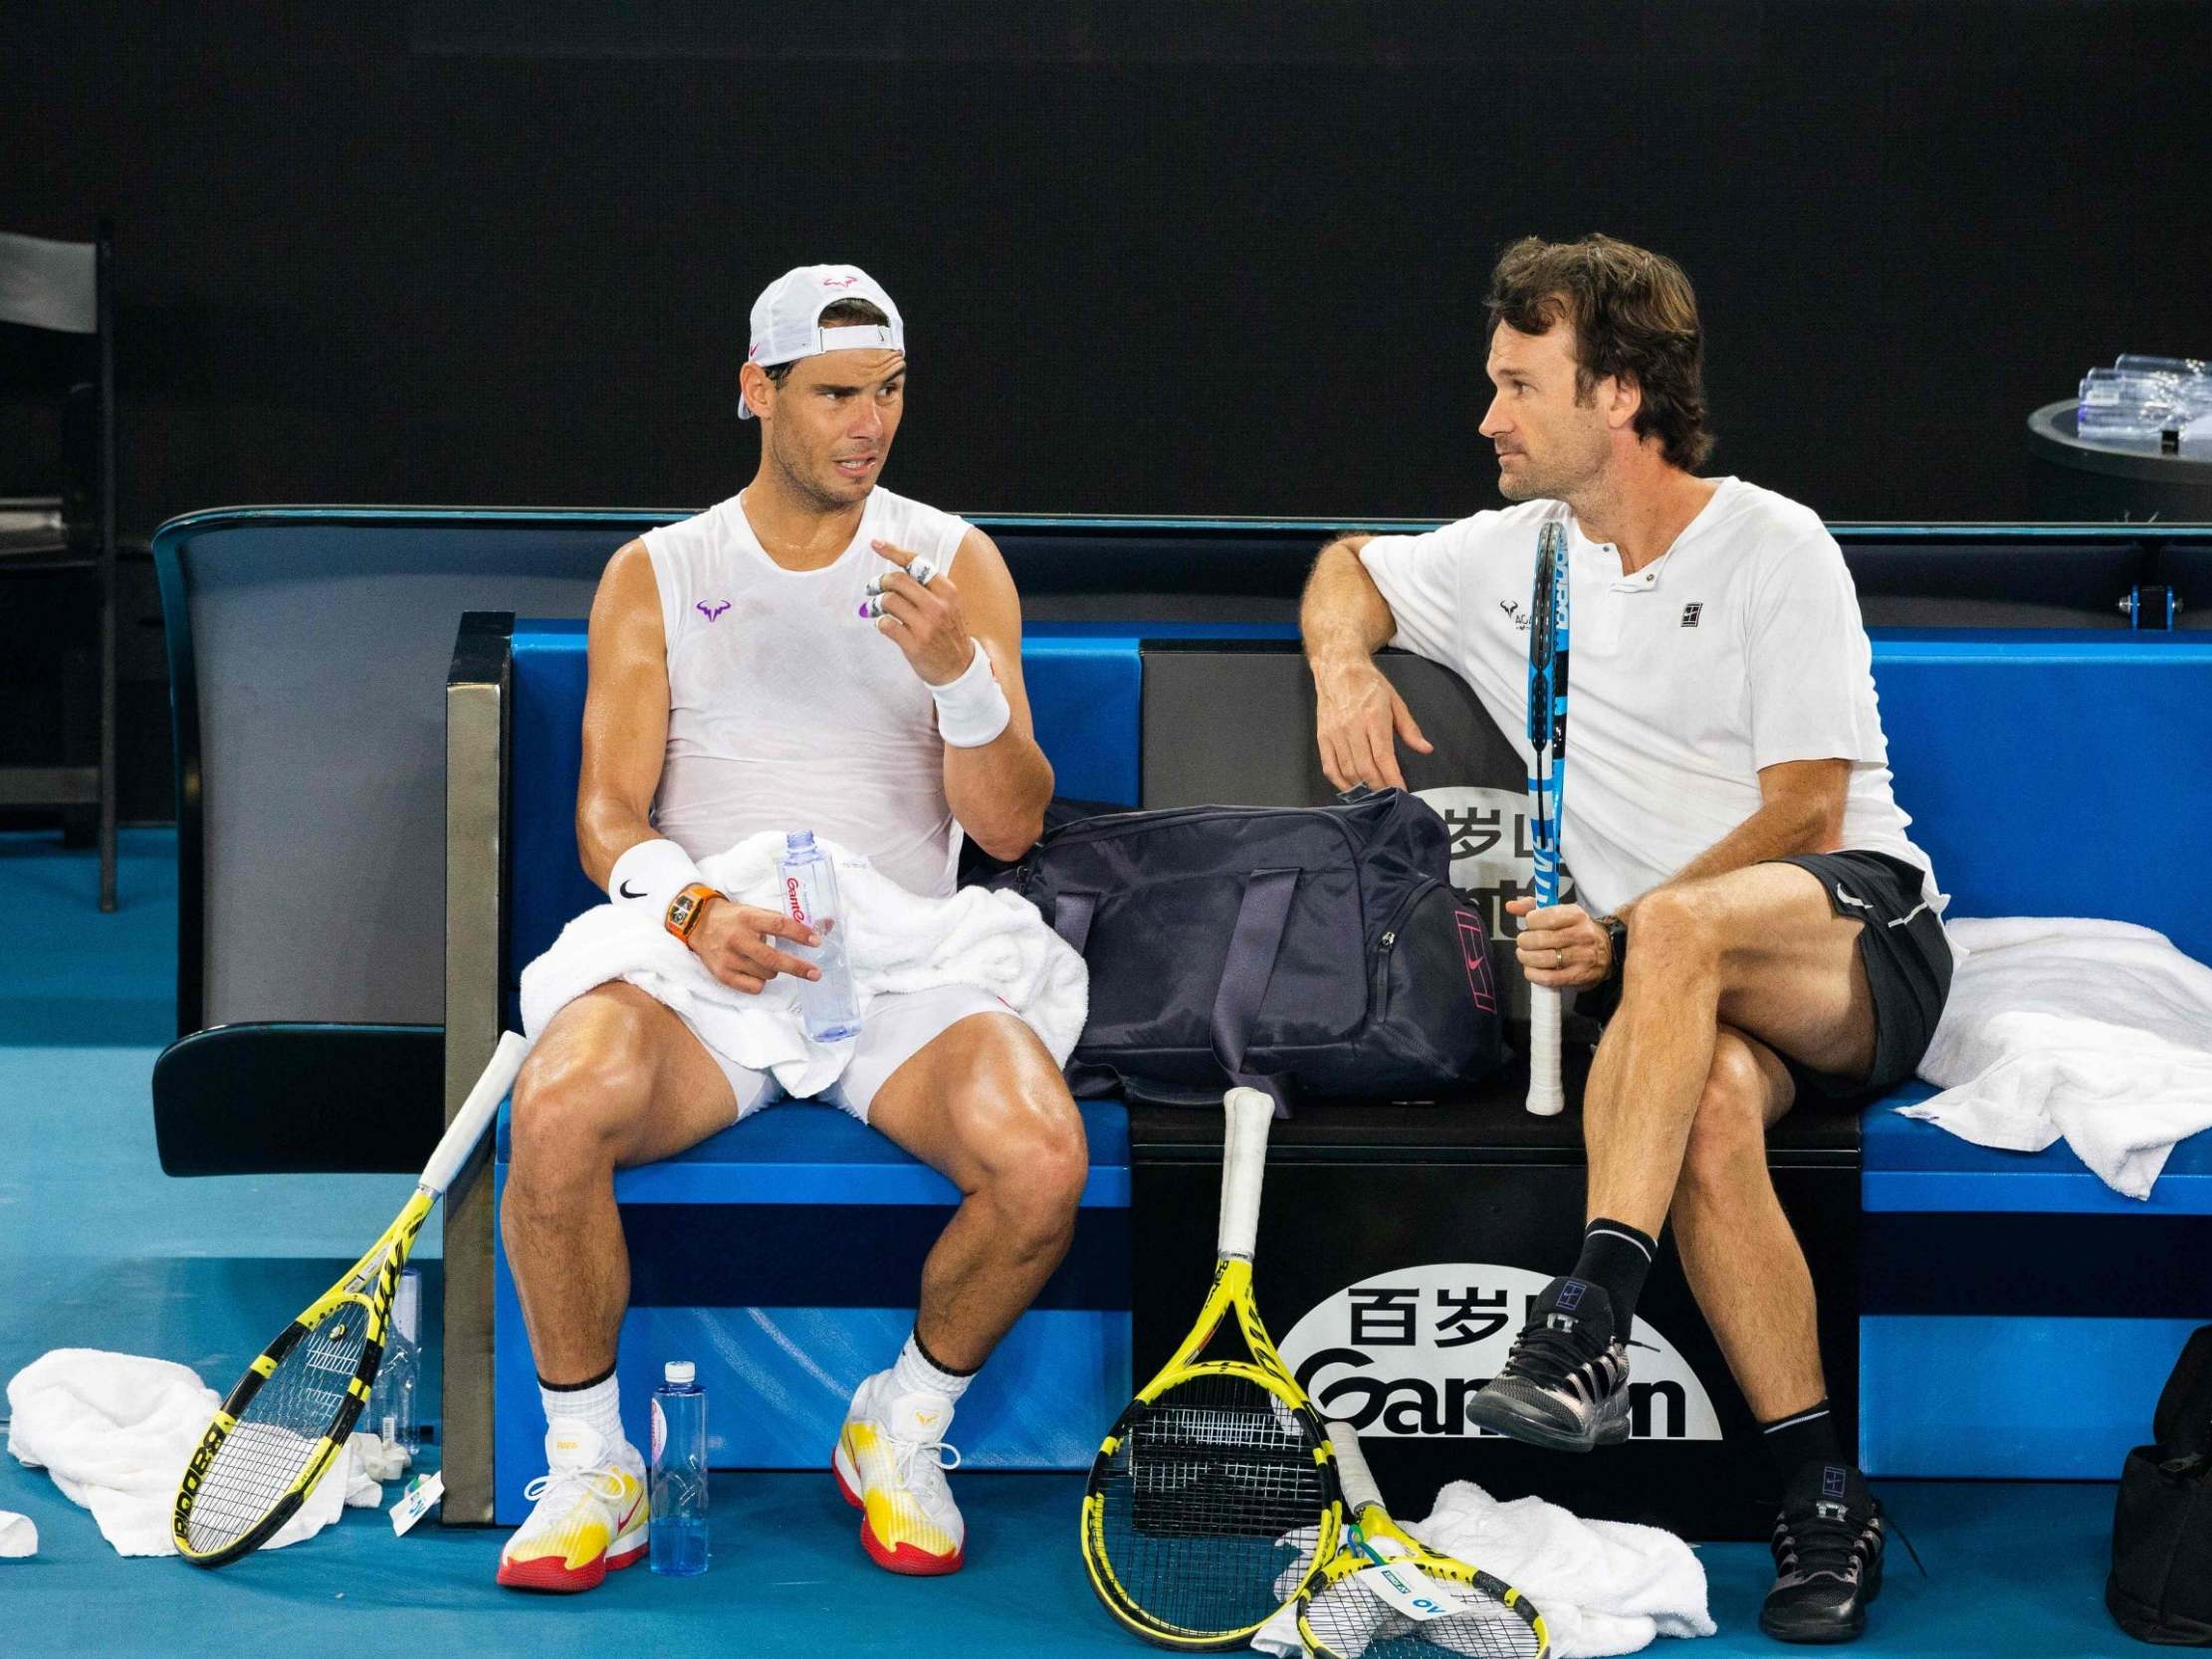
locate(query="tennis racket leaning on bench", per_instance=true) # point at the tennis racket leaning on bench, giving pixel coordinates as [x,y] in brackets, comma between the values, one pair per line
[1214,1496]
[284,1422]
[1547,741]
[1386,1595]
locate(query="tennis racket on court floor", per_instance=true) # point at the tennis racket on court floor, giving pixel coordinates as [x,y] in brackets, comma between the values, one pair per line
[1547,741]
[1214,1496]
[1386,1595]
[284,1422]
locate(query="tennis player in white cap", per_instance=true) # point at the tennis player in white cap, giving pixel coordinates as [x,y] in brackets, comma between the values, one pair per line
[817,653]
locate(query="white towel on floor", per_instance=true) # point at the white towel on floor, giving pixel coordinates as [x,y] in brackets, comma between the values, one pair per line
[19,1537]
[899,941]
[1602,1586]
[115,1431]
[2097,1031]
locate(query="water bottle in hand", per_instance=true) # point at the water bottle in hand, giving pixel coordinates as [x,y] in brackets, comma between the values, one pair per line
[810,878]
[678,1529]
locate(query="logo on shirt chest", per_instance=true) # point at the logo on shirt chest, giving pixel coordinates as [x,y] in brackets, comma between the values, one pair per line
[1513,610]
[1691,614]
[714,615]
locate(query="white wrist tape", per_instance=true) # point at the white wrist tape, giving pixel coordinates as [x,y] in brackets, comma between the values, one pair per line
[973,710]
[650,875]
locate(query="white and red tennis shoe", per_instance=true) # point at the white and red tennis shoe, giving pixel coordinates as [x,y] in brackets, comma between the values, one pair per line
[590,1515]
[890,1463]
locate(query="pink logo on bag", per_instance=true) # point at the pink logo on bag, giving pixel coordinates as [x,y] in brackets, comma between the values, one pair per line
[1475,950]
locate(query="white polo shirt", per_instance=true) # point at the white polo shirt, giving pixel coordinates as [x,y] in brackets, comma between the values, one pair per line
[1738,648]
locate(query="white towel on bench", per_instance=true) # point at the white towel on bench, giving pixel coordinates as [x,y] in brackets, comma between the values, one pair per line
[899,941]
[2097,1031]
[1602,1586]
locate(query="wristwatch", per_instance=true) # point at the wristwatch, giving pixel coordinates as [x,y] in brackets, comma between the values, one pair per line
[1616,944]
[685,910]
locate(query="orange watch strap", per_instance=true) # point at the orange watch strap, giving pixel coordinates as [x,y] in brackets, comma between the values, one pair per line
[685,910]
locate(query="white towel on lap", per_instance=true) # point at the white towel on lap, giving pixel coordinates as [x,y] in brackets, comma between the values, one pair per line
[115,1431]
[1602,1586]
[899,941]
[2097,1031]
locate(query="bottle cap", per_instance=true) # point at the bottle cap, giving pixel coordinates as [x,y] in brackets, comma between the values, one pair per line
[797,841]
[680,1371]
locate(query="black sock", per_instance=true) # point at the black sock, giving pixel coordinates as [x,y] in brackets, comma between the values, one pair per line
[1803,1437]
[1616,1257]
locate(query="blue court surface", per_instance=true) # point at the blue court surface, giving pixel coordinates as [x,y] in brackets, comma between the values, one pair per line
[99,1248]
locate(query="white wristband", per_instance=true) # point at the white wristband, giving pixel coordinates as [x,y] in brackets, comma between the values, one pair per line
[973,710]
[650,875]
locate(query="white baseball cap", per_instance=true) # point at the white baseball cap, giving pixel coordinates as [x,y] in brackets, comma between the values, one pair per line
[787,318]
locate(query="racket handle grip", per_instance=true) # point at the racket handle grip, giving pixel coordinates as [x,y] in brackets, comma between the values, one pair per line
[1547,1098]
[476,1113]
[1244,1166]
[1352,1471]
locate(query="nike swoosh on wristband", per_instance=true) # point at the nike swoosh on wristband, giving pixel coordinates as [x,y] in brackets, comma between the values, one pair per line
[625,891]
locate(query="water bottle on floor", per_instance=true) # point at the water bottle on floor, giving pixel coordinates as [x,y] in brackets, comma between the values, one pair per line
[678,1530]
[810,878]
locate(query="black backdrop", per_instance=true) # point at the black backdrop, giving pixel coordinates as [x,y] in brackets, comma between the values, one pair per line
[1192,257]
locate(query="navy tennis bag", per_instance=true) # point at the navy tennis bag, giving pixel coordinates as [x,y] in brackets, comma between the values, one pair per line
[1307,950]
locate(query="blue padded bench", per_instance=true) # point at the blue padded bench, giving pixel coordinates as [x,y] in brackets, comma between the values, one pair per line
[782,1254]
[2017,1315]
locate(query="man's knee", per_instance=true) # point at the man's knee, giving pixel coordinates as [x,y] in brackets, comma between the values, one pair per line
[579,1095]
[1727,1138]
[1672,930]
[1024,1138]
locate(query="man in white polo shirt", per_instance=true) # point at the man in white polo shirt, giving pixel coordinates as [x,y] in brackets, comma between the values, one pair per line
[1755,921]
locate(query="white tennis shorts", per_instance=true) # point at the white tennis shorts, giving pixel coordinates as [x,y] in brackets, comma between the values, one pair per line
[895,1030]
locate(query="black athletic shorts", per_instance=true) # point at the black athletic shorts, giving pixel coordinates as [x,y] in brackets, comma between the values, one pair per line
[1907,957]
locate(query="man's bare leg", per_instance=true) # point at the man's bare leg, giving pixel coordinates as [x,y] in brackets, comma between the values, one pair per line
[1743,1263]
[985,1104]
[1758,948]
[615,1080]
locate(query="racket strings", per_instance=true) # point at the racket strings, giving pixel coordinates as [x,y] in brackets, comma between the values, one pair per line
[1212,1499]
[1349,1621]
[275,1437]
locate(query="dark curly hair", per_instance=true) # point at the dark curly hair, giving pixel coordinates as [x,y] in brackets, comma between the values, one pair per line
[1634,316]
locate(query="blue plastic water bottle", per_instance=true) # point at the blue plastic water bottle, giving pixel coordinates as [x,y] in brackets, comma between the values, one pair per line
[679,1525]
[810,878]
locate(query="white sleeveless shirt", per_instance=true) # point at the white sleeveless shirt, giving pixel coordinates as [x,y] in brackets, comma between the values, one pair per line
[786,708]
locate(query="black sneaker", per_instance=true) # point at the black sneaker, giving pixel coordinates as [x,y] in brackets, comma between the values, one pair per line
[1566,1383]
[1827,1557]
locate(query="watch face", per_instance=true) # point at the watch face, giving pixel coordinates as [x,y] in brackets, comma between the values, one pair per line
[679,914]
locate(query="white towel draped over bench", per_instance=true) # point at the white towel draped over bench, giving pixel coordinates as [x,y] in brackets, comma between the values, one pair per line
[2099,1032]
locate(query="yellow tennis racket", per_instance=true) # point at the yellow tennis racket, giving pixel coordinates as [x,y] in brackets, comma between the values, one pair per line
[284,1422]
[1386,1595]
[1214,1495]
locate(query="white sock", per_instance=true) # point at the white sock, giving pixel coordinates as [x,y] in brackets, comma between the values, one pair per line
[598,1407]
[916,1373]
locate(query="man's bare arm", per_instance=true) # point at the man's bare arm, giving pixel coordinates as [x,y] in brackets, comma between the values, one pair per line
[1343,620]
[998,791]
[1801,810]
[626,713]
[625,741]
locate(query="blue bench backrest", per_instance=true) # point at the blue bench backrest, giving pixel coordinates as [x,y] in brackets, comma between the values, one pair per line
[2047,773]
